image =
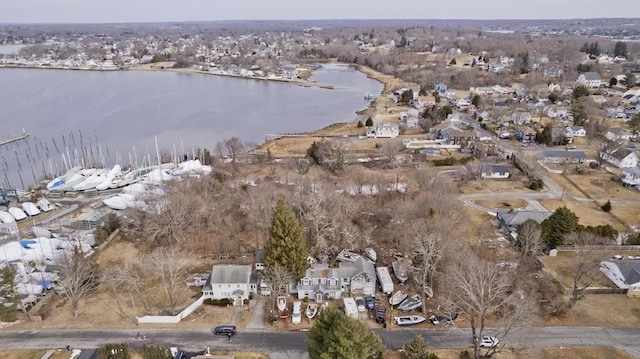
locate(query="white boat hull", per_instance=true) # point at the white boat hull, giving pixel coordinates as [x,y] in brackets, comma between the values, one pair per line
[408,320]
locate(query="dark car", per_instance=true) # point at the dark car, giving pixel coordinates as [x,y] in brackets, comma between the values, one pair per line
[381,314]
[370,302]
[225,330]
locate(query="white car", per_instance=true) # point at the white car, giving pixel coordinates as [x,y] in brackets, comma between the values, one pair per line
[259,266]
[360,304]
[489,342]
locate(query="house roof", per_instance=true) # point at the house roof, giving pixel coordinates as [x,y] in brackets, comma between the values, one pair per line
[576,128]
[351,269]
[592,76]
[632,171]
[230,273]
[565,154]
[516,218]
[617,152]
[630,269]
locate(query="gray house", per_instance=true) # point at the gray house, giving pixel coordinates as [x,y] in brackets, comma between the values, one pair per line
[564,156]
[232,281]
[351,278]
[510,221]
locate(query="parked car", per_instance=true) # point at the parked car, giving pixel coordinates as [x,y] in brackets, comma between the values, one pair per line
[489,342]
[259,266]
[226,329]
[360,303]
[381,314]
[370,303]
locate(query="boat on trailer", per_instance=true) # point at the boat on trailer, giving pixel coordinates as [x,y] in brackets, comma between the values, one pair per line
[312,310]
[407,320]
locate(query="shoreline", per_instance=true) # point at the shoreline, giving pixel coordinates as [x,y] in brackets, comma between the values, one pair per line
[150,67]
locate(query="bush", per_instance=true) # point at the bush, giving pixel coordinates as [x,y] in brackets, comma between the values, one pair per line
[452,62]
[155,352]
[219,302]
[451,161]
[465,355]
[114,351]
[368,122]
[536,185]
[245,301]
[606,207]
[360,124]
[633,239]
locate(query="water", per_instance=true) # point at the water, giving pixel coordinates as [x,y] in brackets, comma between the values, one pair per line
[104,115]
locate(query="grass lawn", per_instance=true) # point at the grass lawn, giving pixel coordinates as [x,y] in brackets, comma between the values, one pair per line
[588,212]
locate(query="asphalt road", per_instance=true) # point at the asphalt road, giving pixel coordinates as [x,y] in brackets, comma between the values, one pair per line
[295,342]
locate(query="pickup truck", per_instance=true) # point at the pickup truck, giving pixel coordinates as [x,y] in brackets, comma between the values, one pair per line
[381,314]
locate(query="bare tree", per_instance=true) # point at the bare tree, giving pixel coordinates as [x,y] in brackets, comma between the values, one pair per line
[134,278]
[585,262]
[170,218]
[427,246]
[482,291]
[168,268]
[390,150]
[78,279]
[234,146]
[529,238]
[278,278]
[109,279]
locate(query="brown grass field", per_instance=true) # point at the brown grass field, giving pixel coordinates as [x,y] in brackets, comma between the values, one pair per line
[588,212]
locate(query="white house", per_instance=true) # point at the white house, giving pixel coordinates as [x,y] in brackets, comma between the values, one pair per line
[618,134]
[384,130]
[494,172]
[631,177]
[230,281]
[576,131]
[589,79]
[619,156]
[520,118]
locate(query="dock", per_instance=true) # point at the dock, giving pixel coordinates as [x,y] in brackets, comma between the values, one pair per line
[14,139]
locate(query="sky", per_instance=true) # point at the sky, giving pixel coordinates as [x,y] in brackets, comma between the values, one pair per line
[122,11]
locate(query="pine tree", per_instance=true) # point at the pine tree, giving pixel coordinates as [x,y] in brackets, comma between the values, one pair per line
[417,349]
[562,222]
[337,336]
[287,246]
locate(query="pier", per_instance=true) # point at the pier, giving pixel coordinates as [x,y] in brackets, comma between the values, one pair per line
[14,139]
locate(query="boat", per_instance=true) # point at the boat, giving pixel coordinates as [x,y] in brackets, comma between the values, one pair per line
[5,217]
[428,292]
[411,303]
[45,205]
[312,310]
[400,271]
[296,315]
[348,256]
[443,318]
[30,209]
[408,320]
[17,213]
[59,181]
[371,254]
[398,297]
[281,302]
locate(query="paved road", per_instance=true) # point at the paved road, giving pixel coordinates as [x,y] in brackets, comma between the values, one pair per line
[294,343]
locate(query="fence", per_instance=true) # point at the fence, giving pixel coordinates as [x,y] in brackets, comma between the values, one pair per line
[600,248]
[172,318]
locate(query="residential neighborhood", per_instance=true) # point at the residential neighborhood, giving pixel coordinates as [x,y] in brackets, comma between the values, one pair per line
[490,152]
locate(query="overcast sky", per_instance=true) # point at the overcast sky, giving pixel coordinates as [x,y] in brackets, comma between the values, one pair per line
[100,11]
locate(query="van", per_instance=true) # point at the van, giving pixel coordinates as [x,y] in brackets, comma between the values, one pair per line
[225,330]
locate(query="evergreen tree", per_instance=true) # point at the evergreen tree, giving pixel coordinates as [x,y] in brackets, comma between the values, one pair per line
[620,49]
[613,82]
[337,336]
[368,122]
[606,207]
[8,298]
[546,135]
[523,60]
[578,112]
[580,91]
[562,222]
[287,246]
[417,349]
